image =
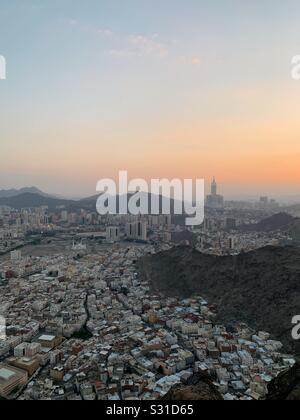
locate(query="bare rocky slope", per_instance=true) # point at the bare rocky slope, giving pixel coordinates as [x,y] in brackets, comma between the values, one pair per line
[286,387]
[198,388]
[279,221]
[261,288]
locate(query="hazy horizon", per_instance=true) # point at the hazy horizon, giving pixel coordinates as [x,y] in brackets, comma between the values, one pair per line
[161,89]
[284,199]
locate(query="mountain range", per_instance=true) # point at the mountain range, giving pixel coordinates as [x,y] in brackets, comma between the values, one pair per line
[32,197]
[28,190]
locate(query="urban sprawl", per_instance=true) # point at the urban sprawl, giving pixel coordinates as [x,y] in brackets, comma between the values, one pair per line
[79,322]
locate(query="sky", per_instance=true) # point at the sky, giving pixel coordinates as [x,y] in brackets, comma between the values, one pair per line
[185,89]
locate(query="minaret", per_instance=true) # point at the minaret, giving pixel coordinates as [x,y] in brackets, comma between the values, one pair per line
[214,187]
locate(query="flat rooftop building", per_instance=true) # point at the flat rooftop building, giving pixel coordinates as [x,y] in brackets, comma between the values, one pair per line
[10,379]
[48,341]
[30,365]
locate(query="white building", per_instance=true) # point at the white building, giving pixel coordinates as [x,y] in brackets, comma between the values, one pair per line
[16,255]
[137,231]
[112,234]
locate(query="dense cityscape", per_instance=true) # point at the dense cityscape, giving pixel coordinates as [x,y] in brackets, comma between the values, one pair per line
[149,203]
[82,323]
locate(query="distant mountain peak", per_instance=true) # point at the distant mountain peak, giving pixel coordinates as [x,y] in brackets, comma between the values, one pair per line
[15,192]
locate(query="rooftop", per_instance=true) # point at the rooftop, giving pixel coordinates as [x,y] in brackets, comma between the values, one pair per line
[6,374]
[47,338]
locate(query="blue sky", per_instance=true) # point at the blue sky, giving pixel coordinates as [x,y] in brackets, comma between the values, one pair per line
[95,86]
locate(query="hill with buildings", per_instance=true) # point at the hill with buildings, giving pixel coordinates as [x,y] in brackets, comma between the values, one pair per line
[261,288]
[198,388]
[279,221]
[286,387]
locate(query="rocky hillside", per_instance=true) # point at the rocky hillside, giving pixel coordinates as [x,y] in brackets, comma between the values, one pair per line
[261,288]
[279,221]
[199,387]
[286,386]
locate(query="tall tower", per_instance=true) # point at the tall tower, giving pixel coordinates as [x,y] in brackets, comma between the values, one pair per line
[214,187]
[214,200]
